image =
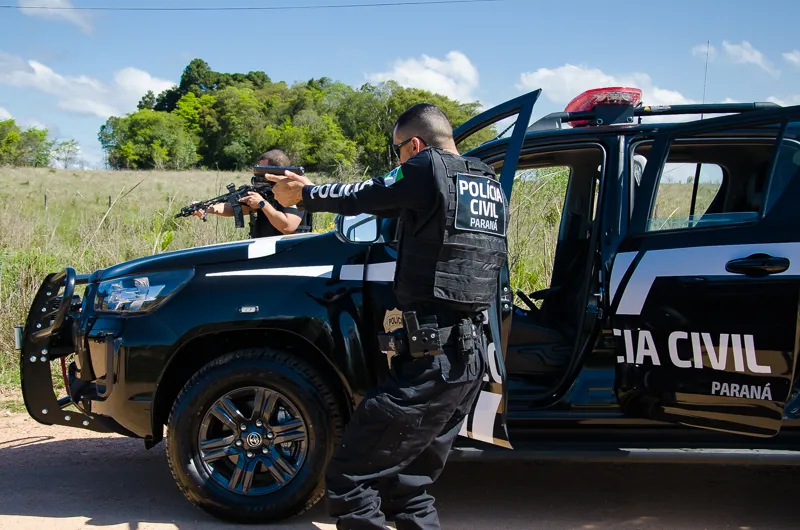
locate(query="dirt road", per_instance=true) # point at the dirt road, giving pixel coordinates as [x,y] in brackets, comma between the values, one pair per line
[62,478]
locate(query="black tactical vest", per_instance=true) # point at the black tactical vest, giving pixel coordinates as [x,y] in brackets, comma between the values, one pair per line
[451,258]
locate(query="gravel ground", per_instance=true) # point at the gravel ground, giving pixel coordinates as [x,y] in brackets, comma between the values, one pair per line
[57,477]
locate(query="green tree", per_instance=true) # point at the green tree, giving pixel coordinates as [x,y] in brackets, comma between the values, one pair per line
[227,119]
[148,101]
[238,116]
[147,139]
[24,147]
[35,147]
[66,152]
[9,149]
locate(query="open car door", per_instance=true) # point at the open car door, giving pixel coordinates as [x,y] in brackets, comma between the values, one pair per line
[704,293]
[487,419]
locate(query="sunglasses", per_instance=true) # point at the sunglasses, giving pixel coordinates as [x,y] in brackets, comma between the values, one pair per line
[396,147]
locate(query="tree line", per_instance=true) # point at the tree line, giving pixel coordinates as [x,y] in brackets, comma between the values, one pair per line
[31,147]
[224,121]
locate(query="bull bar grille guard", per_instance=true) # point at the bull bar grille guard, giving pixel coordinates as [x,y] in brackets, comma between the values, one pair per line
[52,332]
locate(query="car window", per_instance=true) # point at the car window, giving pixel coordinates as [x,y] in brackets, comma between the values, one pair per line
[678,203]
[718,179]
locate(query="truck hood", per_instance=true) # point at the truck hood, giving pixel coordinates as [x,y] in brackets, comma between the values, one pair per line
[206,255]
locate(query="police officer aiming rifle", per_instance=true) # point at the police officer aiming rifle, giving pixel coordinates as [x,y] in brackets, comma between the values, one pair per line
[452,244]
[267,218]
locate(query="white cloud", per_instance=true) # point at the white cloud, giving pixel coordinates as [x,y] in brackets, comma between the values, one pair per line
[793,57]
[560,85]
[701,49]
[744,53]
[56,11]
[788,101]
[81,94]
[455,76]
[33,122]
[4,114]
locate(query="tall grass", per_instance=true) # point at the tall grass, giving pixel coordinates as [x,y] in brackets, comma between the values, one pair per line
[50,219]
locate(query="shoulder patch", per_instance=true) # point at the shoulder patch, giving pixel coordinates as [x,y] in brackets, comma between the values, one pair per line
[480,205]
[395,175]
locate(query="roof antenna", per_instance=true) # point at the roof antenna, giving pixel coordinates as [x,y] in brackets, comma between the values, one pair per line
[705,78]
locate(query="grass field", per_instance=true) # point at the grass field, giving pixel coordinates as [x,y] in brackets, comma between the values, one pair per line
[50,219]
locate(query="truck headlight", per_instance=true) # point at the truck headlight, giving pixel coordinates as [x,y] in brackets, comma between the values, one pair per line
[141,292]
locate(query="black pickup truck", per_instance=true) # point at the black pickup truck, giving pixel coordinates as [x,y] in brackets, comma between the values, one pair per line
[665,333]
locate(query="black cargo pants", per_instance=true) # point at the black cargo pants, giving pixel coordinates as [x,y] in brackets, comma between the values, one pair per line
[398,440]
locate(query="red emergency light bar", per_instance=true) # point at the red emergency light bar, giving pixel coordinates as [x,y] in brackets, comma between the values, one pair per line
[589,100]
[622,105]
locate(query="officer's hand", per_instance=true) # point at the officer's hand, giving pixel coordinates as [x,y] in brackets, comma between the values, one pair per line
[214,208]
[289,190]
[198,213]
[201,213]
[290,175]
[251,199]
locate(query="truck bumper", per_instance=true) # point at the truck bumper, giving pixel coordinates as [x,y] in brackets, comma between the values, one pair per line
[52,333]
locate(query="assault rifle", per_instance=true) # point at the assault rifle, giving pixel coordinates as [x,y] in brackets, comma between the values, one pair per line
[258,184]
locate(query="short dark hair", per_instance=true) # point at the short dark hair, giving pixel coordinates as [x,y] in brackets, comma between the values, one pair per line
[426,121]
[275,157]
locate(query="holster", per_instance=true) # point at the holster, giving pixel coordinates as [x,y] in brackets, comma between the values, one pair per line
[428,339]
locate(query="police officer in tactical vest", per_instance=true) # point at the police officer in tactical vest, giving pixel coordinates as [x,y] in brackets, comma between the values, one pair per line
[267,217]
[452,244]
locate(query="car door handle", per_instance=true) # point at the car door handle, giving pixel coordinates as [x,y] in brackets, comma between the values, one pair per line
[757,265]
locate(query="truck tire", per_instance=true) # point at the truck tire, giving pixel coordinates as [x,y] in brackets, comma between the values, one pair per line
[250,434]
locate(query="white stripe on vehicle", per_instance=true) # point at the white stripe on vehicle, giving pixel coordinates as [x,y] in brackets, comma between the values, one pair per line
[311,271]
[376,272]
[381,272]
[262,247]
[622,263]
[696,261]
[483,417]
[267,246]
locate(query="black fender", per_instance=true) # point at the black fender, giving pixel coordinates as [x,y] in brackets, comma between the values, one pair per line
[311,339]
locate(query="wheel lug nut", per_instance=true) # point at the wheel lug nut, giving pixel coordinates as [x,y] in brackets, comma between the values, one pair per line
[243,427]
[270,435]
[238,443]
[264,450]
[249,454]
[259,424]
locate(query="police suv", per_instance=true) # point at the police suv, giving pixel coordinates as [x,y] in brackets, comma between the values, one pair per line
[669,328]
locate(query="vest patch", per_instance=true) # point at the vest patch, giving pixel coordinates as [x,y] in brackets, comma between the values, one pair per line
[480,205]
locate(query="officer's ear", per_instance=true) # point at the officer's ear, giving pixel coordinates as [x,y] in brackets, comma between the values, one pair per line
[418,144]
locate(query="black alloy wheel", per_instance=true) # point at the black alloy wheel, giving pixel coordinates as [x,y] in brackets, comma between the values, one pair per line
[252,441]
[250,435]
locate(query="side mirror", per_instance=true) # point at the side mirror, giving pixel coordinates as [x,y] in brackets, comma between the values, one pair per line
[362,228]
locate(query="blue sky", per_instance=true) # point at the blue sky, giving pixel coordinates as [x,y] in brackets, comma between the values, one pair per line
[70,70]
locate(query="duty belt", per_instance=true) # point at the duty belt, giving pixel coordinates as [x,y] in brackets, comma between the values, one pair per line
[421,341]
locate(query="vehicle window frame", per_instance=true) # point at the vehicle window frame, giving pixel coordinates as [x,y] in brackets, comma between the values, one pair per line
[770,201]
[639,227]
